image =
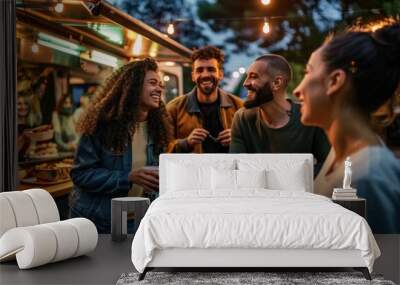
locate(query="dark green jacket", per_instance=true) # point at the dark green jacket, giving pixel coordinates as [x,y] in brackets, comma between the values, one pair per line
[251,135]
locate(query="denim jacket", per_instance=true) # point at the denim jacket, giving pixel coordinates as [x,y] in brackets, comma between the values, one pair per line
[98,176]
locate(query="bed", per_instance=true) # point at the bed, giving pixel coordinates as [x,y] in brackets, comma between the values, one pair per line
[246,211]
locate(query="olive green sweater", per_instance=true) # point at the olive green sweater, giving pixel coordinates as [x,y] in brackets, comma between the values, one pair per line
[251,135]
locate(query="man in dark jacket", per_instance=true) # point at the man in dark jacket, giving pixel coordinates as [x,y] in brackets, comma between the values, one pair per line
[202,119]
[270,123]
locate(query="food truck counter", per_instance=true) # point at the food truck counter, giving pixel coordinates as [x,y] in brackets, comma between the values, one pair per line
[56,190]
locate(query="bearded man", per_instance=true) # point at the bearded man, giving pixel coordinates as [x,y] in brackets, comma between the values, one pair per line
[202,119]
[270,123]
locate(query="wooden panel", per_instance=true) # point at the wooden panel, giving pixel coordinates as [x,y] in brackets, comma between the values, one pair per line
[55,190]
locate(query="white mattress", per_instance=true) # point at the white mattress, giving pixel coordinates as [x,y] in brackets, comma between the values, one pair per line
[256,218]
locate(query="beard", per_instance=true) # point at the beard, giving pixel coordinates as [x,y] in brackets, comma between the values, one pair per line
[263,95]
[211,88]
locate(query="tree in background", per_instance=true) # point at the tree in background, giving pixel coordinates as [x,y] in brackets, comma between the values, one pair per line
[159,14]
[297,27]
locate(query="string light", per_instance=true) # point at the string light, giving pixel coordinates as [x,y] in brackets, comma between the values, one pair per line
[242,70]
[137,46]
[170,29]
[235,74]
[153,49]
[265,2]
[170,63]
[59,7]
[266,27]
[35,48]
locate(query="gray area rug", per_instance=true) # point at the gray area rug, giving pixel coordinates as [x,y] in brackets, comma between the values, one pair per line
[225,278]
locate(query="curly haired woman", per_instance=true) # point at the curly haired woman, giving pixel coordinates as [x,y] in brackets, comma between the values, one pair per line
[124,130]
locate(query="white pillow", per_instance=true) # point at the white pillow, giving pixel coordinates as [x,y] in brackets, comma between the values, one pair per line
[251,178]
[281,174]
[292,179]
[183,177]
[198,160]
[223,179]
[228,179]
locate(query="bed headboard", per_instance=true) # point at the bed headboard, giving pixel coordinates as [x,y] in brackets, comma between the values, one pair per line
[266,160]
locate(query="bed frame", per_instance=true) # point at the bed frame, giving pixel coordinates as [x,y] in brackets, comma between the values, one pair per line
[249,259]
[242,259]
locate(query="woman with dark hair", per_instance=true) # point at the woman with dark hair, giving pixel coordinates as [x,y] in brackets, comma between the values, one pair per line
[124,130]
[348,78]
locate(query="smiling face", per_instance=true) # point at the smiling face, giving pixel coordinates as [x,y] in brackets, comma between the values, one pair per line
[207,75]
[22,106]
[258,85]
[67,107]
[67,103]
[151,91]
[313,94]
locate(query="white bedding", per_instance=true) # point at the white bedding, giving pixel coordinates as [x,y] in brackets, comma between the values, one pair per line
[252,218]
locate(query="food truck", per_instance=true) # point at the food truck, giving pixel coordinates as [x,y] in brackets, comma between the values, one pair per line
[66,50]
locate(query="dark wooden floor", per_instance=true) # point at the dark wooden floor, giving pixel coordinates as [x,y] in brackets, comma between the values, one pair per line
[102,266]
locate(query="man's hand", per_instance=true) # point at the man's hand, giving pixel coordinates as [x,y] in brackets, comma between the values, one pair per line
[224,137]
[197,136]
[146,178]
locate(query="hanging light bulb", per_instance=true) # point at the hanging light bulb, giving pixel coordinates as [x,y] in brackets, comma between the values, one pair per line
[59,7]
[265,2]
[35,48]
[266,27]
[137,46]
[170,29]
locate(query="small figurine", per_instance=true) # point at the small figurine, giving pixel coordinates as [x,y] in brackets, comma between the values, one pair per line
[347,174]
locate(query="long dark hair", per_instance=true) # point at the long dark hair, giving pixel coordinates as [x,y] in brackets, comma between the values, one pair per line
[113,114]
[372,60]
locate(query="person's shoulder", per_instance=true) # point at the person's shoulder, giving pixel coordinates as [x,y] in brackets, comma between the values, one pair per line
[378,165]
[295,105]
[296,111]
[178,99]
[383,159]
[247,114]
[177,102]
[93,137]
[55,115]
[235,99]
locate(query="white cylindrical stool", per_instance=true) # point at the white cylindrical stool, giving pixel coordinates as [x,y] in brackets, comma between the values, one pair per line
[120,207]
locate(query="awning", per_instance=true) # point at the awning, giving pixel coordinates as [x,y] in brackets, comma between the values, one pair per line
[72,27]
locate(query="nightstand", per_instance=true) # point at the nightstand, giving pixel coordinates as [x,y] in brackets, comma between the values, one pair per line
[358,205]
[120,209]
